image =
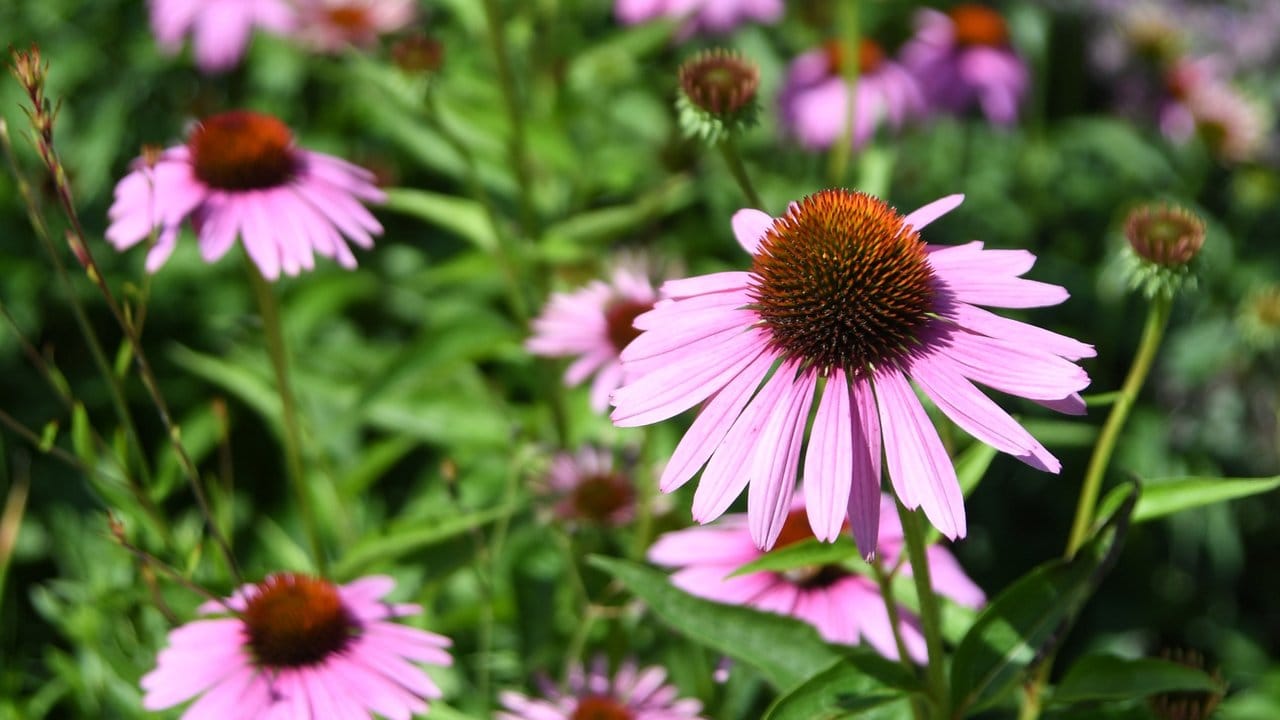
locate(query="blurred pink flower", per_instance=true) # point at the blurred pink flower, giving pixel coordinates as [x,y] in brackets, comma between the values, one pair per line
[333,25]
[963,58]
[844,607]
[1200,102]
[593,324]
[702,16]
[629,694]
[240,174]
[846,301]
[814,101]
[298,647]
[588,488]
[220,29]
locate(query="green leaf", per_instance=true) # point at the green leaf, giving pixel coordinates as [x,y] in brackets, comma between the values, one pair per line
[972,464]
[460,215]
[1166,497]
[48,436]
[807,553]
[1029,618]
[1107,677]
[841,691]
[786,651]
[397,545]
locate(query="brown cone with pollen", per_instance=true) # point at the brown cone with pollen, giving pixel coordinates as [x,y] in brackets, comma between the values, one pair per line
[599,707]
[619,318]
[839,282]
[978,25]
[870,55]
[242,150]
[296,620]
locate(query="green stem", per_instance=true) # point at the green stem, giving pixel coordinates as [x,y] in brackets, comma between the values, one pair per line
[851,37]
[515,114]
[1152,333]
[269,309]
[930,610]
[885,581]
[729,149]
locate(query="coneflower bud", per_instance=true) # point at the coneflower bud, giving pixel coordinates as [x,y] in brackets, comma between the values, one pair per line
[418,53]
[717,94]
[1163,241]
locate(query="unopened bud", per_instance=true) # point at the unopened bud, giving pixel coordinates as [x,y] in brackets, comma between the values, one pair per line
[418,53]
[717,94]
[1164,240]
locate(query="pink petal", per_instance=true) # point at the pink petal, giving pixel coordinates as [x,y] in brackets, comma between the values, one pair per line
[934,210]
[919,468]
[749,227]
[703,284]
[777,456]
[828,463]
[865,497]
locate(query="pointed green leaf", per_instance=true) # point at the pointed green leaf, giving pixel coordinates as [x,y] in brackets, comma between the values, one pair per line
[398,544]
[841,691]
[1107,677]
[807,553]
[460,215]
[786,651]
[1029,618]
[1166,497]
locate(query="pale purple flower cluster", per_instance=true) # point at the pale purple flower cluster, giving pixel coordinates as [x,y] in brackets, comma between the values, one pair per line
[700,16]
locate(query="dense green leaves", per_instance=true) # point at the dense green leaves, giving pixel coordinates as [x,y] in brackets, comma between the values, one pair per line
[1029,618]
[841,691]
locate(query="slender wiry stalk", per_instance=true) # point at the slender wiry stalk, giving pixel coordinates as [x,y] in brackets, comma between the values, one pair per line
[515,115]
[729,149]
[851,36]
[884,580]
[930,610]
[1152,333]
[269,309]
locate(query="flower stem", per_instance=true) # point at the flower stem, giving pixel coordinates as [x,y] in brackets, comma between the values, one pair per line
[729,149]
[930,611]
[1152,333]
[885,582]
[269,309]
[851,36]
[519,146]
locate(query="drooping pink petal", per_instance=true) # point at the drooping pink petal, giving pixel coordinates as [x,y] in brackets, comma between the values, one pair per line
[777,456]
[923,216]
[749,227]
[864,494]
[921,473]
[828,464]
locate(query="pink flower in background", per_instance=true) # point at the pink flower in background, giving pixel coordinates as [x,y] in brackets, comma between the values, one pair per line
[240,175]
[843,606]
[593,324]
[962,58]
[1200,102]
[219,29]
[629,694]
[702,16]
[299,647]
[588,488]
[334,25]
[814,101]
[843,289]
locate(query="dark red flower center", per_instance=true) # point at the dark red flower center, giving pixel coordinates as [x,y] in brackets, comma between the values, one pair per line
[870,55]
[242,150]
[719,81]
[796,529]
[600,707]
[296,620]
[619,317]
[599,497]
[840,282]
[352,17]
[978,25]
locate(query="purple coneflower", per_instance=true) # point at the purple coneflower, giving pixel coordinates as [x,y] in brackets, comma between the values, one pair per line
[629,694]
[299,647]
[220,30]
[701,16]
[1201,103]
[845,301]
[963,57]
[843,606]
[333,25]
[814,101]
[240,175]
[593,324]
[588,488]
